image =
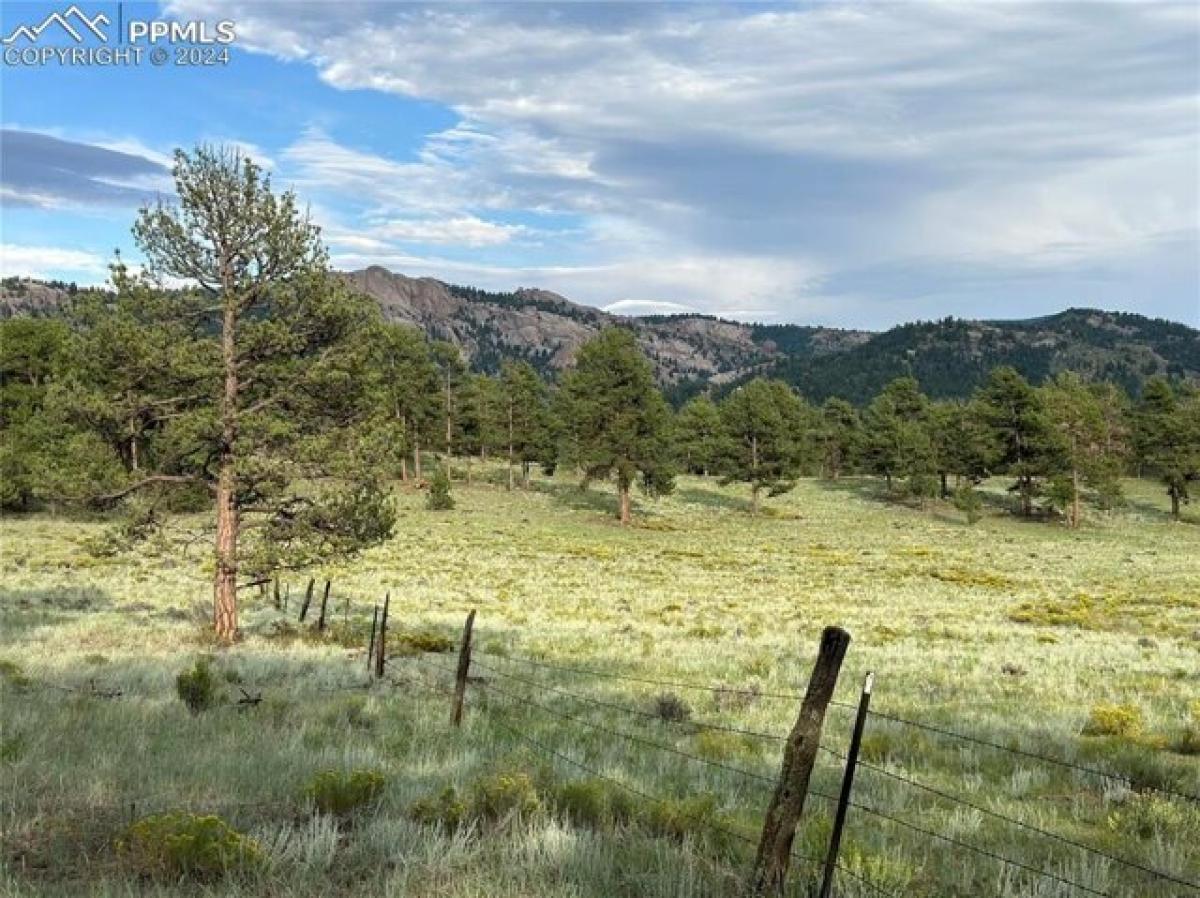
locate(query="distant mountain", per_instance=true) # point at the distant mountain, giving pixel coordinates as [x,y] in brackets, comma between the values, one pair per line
[692,353]
[546,329]
[952,357]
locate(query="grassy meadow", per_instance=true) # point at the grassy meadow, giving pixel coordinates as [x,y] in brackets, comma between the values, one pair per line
[1024,634]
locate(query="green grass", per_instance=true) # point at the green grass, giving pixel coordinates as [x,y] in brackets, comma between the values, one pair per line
[1020,633]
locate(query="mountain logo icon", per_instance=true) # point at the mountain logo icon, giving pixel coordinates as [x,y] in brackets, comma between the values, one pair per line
[72,21]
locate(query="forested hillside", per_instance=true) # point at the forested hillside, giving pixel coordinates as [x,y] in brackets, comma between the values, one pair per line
[692,353]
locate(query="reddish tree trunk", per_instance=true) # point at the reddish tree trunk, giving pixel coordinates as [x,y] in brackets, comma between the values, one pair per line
[225,587]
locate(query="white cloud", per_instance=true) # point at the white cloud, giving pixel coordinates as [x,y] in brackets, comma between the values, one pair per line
[694,139]
[51,261]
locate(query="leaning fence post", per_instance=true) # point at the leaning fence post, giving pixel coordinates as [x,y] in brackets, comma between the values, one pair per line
[308,594]
[464,667]
[381,650]
[324,604]
[839,821]
[799,753]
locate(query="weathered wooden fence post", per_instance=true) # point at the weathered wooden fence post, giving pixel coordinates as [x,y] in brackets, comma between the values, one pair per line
[799,753]
[381,649]
[276,595]
[308,594]
[839,820]
[324,605]
[371,641]
[464,667]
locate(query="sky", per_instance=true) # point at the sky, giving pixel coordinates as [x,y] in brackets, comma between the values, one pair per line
[850,164]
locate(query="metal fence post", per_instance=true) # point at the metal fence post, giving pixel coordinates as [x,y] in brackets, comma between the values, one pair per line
[839,820]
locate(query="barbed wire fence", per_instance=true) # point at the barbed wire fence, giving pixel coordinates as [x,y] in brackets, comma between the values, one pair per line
[508,705]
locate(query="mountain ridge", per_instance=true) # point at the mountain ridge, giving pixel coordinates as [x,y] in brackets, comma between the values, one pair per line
[694,352]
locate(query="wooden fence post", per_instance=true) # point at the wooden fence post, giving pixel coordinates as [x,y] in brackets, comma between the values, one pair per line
[839,820]
[308,594]
[799,753]
[276,595]
[464,666]
[381,650]
[287,594]
[324,605]
[371,641]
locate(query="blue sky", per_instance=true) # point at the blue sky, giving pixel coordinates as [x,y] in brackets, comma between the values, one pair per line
[852,164]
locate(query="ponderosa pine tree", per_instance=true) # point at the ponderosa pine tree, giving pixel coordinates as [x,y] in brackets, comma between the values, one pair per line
[1092,437]
[962,446]
[1166,437]
[525,413]
[697,435]
[31,360]
[451,369]
[839,437]
[408,389]
[287,361]
[1027,447]
[898,446]
[615,421]
[763,439]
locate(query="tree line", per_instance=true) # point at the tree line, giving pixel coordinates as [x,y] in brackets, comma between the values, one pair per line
[271,397]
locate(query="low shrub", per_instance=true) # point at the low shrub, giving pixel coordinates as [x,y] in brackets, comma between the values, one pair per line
[592,802]
[341,792]
[439,498]
[502,794]
[670,708]
[181,844]
[420,642]
[1188,741]
[1114,720]
[196,687]
[445,809]
[13,674]
[1148,816]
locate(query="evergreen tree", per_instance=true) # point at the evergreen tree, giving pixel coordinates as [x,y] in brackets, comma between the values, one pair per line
[839,437]
[1092,437]
[452,369]
[762,425]
[615,421]
[284,367]
[525,414]
[1166,437]
[962,445]
[409,391]
[898,445]
[1027,447]
[31,353]
[697,435]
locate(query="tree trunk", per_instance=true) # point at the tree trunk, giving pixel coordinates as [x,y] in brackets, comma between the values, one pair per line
[754,499]
[225,588]
[945,485]
[1074,498]
[1173,492]
[626,516]
[510,444]
[417,455]
[133,453]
